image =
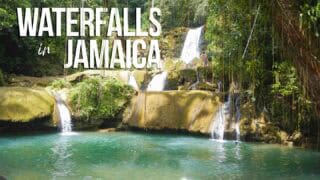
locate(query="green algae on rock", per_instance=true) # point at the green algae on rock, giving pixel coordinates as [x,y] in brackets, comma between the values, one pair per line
[176,110]
[19,104]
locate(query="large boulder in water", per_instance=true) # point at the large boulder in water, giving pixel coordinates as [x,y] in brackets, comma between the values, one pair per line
[22,107]
[191,111]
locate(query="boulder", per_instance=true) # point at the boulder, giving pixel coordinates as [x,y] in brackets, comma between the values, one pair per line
[297,138]
[25,107]
[206,86]
[19,104]
[256,127]
[141,76]
[80,76]
[191,111]
[108,130]
[183,78]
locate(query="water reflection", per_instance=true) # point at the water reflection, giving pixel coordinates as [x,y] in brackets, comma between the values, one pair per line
[224,150]
[144,156]
[219,153]
[237,150]
[62,153]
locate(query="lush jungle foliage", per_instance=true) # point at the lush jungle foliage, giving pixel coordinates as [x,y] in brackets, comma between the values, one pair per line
[19,55]
[247,49]
[60,84]
[310,16]
[187,13]
[96,98]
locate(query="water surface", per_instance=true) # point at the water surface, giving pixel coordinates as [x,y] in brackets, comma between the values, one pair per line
[124,155]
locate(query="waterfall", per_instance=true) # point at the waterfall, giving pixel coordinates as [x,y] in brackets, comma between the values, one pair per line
[133,83]
[158,82]
[191,45]
[64,115]
[194,85]
[217,131]
[238,116]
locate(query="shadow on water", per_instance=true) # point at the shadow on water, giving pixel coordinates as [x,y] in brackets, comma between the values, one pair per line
[23,134]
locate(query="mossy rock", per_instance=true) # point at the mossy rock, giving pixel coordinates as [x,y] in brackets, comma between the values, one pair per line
[181,78]
[188,75]
[173,65]
[172,80]
[28,81]
[81,76]
[97,99]
[76,77]
[142,78]
[171,42]
[270,134]
[192,111]
[20,104]
[206,86]
[250,131]
[255,127]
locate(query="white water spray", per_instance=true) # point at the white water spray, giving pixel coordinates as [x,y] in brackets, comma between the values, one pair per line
[158,82]
[217,131]
[191,45]
[238,116]
[64,115]
[133,82]
[194,85]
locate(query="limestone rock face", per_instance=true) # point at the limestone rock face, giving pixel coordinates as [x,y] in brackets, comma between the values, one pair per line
[123,76]
[28,81]
[26,109]
[176,110]
[20,104]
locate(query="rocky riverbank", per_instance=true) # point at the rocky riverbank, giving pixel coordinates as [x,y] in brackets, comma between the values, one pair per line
[33,107]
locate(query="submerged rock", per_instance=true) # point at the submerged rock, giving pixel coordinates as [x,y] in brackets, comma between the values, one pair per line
[192,111]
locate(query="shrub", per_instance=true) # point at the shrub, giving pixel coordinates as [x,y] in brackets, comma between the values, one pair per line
[96,98]
[59,84]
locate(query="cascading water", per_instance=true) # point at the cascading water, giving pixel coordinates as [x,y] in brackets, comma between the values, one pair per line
[158,82]
[194,85]
[191,45]
[217,131]
[133,83]
[238,116]
[64,115]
